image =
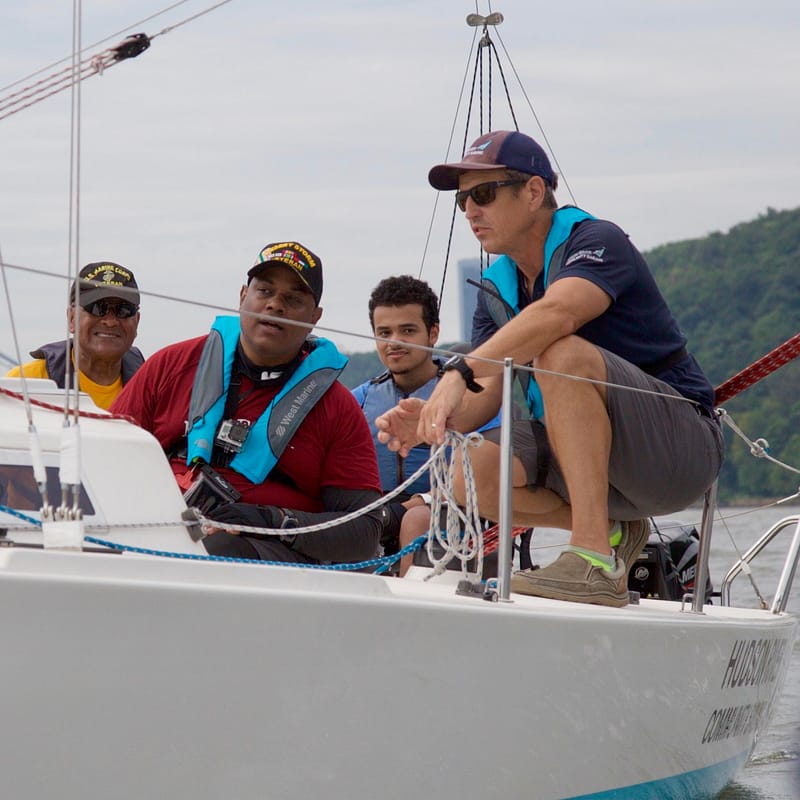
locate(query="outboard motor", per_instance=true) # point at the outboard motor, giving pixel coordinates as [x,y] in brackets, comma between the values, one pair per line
[665,569]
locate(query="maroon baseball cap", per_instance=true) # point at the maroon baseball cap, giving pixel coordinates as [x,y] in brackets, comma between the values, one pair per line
[293,254]
[504,149]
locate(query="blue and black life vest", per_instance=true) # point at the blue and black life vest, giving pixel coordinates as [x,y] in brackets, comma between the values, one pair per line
[501,284]
[273,430]
[382,394]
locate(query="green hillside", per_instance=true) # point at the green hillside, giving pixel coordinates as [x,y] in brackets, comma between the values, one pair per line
[737,296]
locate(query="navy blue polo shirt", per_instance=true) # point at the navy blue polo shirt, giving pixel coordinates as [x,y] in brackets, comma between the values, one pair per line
[638,325]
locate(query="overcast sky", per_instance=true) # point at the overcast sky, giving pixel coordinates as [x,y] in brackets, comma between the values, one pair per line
[318,120]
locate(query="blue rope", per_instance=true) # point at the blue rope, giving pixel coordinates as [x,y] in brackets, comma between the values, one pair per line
[24,517]
[382,564]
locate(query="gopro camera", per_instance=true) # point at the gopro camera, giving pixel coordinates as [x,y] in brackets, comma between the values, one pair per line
[232,434]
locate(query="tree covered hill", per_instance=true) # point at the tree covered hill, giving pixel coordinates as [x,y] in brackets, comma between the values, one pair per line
[736,296]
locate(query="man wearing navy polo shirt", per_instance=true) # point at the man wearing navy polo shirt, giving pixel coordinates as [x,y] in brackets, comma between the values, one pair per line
[629,434]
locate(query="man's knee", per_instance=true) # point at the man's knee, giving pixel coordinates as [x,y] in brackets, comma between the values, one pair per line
[228,545]
[570,355]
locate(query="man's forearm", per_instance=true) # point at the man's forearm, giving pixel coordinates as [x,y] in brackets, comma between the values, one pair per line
[356,540]
[477,409]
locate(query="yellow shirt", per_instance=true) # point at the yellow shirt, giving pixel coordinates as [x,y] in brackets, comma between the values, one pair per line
[103,396]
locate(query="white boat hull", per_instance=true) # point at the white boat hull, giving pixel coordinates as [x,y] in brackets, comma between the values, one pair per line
[129,677]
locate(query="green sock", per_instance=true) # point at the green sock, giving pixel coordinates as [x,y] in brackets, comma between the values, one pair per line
[615,534]
[606,562]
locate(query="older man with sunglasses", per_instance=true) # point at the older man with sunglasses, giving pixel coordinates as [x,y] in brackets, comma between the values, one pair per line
[103,313]
[622,424]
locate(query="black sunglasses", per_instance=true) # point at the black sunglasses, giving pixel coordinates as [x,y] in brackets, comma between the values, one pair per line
[483,193]
[121,310]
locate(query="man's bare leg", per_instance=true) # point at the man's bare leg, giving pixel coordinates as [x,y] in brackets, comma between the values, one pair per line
[530,507]
[579,431]
[415,522]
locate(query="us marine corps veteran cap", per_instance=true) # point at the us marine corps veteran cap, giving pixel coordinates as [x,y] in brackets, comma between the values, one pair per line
[102,279]
[307,265]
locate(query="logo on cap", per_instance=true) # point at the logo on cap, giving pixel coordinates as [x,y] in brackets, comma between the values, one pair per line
[291,257]
[107,273]
[307,265]
[477,150]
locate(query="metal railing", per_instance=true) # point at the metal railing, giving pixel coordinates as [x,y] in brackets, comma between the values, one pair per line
[784,586]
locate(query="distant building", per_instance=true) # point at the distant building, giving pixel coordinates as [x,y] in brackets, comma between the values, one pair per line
[468,294]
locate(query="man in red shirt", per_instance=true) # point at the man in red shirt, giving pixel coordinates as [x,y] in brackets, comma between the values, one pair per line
[258,429]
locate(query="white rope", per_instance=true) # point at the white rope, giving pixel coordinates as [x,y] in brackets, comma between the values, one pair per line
[333,523]
[462,535]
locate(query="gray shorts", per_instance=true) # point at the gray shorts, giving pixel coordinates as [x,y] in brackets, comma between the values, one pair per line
[664,453]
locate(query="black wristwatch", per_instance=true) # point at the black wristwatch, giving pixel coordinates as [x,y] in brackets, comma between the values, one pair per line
[460,365]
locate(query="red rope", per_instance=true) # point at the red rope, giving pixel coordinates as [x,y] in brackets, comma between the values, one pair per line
[60,409]
[781,355]
[491,538]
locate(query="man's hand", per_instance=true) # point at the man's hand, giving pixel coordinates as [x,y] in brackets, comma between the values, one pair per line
[397,428]
[445,400]
[413,420]
[247,515]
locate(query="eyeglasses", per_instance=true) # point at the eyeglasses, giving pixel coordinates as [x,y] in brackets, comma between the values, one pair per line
[120,310]
[483,193]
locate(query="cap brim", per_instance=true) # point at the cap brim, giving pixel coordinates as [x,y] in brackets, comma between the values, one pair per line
[444,177]
[118,292]
[262,265]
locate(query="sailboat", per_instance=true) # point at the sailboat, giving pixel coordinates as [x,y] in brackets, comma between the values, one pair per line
[136,666]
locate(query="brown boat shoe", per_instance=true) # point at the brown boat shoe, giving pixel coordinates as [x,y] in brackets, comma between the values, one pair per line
[571,577]
[634,537]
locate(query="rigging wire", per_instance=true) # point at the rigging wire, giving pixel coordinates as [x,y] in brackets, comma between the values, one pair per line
[58,82]
[73,209]
[69,467]
[130,47]
[437,195]
[192,18]
[483,82]
[538,122]
[37,461]
[93,45]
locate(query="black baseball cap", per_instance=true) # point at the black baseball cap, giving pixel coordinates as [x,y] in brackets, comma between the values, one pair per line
[307,265]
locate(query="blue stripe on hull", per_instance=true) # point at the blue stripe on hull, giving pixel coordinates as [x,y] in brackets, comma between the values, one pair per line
[700,784]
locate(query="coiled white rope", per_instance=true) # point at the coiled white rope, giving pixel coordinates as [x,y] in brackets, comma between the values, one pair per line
[461,536]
